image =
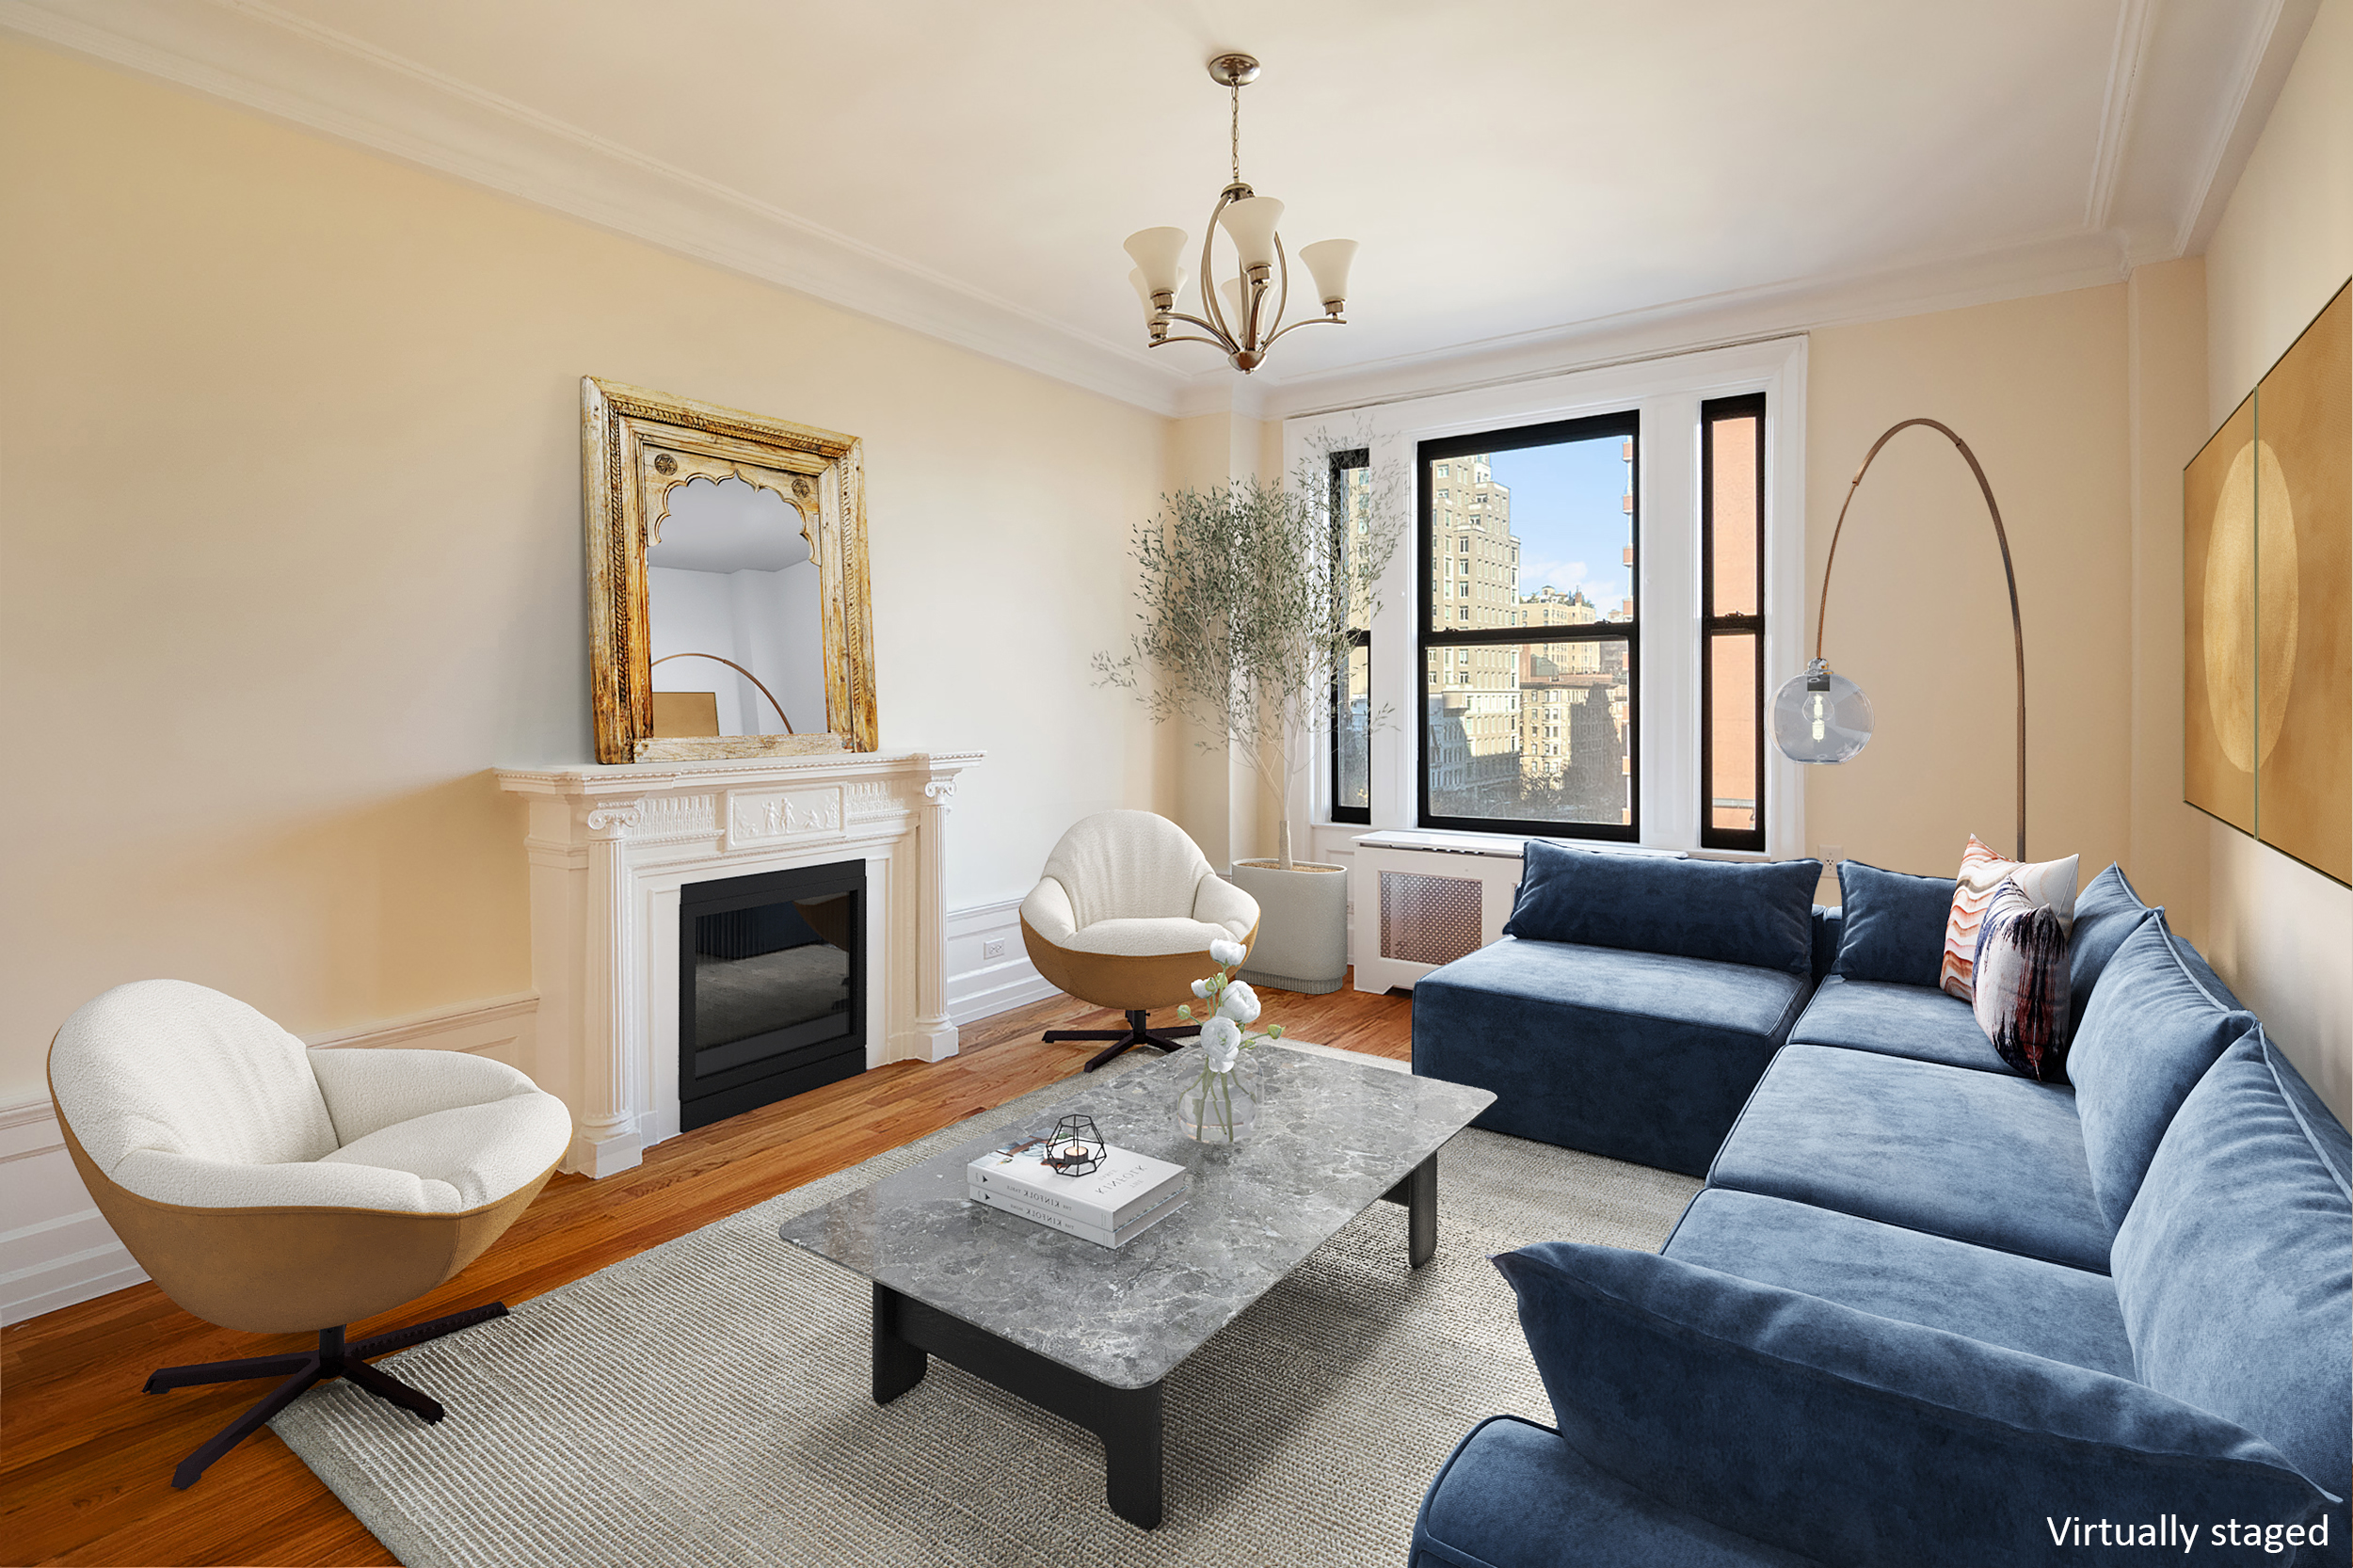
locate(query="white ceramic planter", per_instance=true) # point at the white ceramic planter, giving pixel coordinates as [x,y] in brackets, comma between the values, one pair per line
[1302,925]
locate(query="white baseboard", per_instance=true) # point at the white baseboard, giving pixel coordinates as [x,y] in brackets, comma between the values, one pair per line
[56,1248]
[988,969]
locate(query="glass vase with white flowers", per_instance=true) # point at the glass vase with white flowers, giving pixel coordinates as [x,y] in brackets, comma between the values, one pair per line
[1221,1105]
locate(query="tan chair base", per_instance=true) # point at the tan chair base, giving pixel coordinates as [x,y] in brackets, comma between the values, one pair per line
[1137,1033]
[333,1359]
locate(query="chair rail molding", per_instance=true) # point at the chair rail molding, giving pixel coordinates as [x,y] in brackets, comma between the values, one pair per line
[609,849]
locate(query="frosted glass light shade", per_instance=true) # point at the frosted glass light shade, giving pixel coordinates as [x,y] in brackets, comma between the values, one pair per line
[1159,255]
[1250,224]
[1328,260]
[1143,289]
[1820,716]
[1237,306]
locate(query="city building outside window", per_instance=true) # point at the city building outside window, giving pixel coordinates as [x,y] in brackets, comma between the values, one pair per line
[1552,645]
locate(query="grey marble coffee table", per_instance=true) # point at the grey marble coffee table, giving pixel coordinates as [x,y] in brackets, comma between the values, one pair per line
[1089,1333]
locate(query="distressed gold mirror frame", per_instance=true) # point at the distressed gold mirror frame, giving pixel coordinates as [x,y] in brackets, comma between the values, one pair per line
[635,447]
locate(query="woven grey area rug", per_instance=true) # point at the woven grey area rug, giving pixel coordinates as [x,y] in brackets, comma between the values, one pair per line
[707,1402]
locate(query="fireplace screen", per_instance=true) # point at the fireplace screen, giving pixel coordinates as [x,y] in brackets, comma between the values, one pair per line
[772,987]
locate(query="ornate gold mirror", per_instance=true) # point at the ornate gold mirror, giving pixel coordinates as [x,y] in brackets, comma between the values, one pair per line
[727,609]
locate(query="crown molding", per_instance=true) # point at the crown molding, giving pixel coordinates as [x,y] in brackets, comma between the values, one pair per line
[2135,26]
[252,54]
[2260,72]
[2049,266]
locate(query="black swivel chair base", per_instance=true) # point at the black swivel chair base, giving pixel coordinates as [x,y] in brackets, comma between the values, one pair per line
[1136,1034]
[333,1359]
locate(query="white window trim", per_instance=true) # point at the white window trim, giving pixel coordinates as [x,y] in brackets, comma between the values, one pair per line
[1668,393]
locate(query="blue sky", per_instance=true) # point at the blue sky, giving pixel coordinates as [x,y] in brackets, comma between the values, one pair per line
[1567,512]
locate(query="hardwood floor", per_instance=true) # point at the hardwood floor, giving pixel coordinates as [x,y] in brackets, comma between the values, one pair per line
[86,1458]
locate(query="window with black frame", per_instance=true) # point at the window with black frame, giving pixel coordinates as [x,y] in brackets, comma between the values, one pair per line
[1531,648]
[1352,683]
[1732,622]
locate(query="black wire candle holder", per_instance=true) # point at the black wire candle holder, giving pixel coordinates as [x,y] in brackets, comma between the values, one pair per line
[1076,1148]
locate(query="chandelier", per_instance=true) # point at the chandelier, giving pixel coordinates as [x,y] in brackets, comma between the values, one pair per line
[1235,311]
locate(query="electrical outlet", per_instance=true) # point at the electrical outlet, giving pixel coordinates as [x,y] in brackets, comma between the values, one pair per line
[992,947]
[1830,853]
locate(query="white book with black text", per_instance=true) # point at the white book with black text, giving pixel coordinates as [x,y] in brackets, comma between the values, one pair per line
[1010,1201]
[1123,1185]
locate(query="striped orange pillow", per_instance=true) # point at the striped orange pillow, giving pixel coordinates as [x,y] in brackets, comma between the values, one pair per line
[2049,883]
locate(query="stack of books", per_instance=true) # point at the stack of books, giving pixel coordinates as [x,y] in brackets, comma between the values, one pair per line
[1125,1195]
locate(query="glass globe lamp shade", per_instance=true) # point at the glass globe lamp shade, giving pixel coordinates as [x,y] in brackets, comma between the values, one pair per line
[1820,716]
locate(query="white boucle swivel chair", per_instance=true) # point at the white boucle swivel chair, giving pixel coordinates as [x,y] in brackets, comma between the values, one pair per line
[274,1189]
[1124,917]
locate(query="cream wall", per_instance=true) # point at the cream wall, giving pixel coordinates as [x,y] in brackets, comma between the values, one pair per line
[1919,616]
[2279,931]
[291,553]
[2167,331]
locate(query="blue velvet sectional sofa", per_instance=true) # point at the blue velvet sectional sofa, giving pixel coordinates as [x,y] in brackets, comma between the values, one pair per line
[1925,1311]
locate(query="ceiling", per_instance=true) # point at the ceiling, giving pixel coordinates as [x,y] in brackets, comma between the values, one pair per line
[1536,183]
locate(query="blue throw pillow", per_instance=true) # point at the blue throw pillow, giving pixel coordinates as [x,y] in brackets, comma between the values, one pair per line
[2233,1268]
[1850,1437]
[1892,925]
[2107,912]
[2153,1030]
[1740,912]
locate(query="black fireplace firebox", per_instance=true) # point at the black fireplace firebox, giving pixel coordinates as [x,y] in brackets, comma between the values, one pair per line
[772,987]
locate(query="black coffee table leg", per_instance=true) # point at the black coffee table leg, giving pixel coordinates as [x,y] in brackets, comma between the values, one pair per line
[898,1365]
[1419,1193]
[908,1332]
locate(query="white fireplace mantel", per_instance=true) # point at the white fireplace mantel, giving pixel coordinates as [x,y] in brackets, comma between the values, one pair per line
[609,847]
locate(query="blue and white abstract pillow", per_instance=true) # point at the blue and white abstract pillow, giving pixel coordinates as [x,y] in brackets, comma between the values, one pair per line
[2020,979]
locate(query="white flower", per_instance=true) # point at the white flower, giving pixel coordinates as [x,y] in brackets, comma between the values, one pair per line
[1226,955]
[1221,1043]
[1240,1004]
[1201,988]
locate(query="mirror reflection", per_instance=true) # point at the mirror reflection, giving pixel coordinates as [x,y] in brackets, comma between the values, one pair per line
[732,610]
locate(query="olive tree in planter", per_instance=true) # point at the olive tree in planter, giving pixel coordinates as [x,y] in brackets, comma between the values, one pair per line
[1249,594]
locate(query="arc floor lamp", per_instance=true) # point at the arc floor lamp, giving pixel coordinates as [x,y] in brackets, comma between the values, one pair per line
[1824,717]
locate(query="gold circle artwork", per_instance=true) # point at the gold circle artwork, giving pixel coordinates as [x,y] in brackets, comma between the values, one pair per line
[2232,545]
[801,487]
[664,463]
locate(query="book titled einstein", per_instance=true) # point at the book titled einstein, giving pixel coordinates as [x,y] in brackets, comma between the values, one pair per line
[1123,1189]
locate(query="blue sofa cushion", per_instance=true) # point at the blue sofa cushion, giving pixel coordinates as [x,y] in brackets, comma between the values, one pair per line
[1732,912]
[1827,929]
[1987,1158]
[1513,1494]
[2107,912]
[2235,1265]
[1892,925]
[1632,1055]
[2154,1027]
[1917,1021]
[2024,1304]
[1852,1438]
